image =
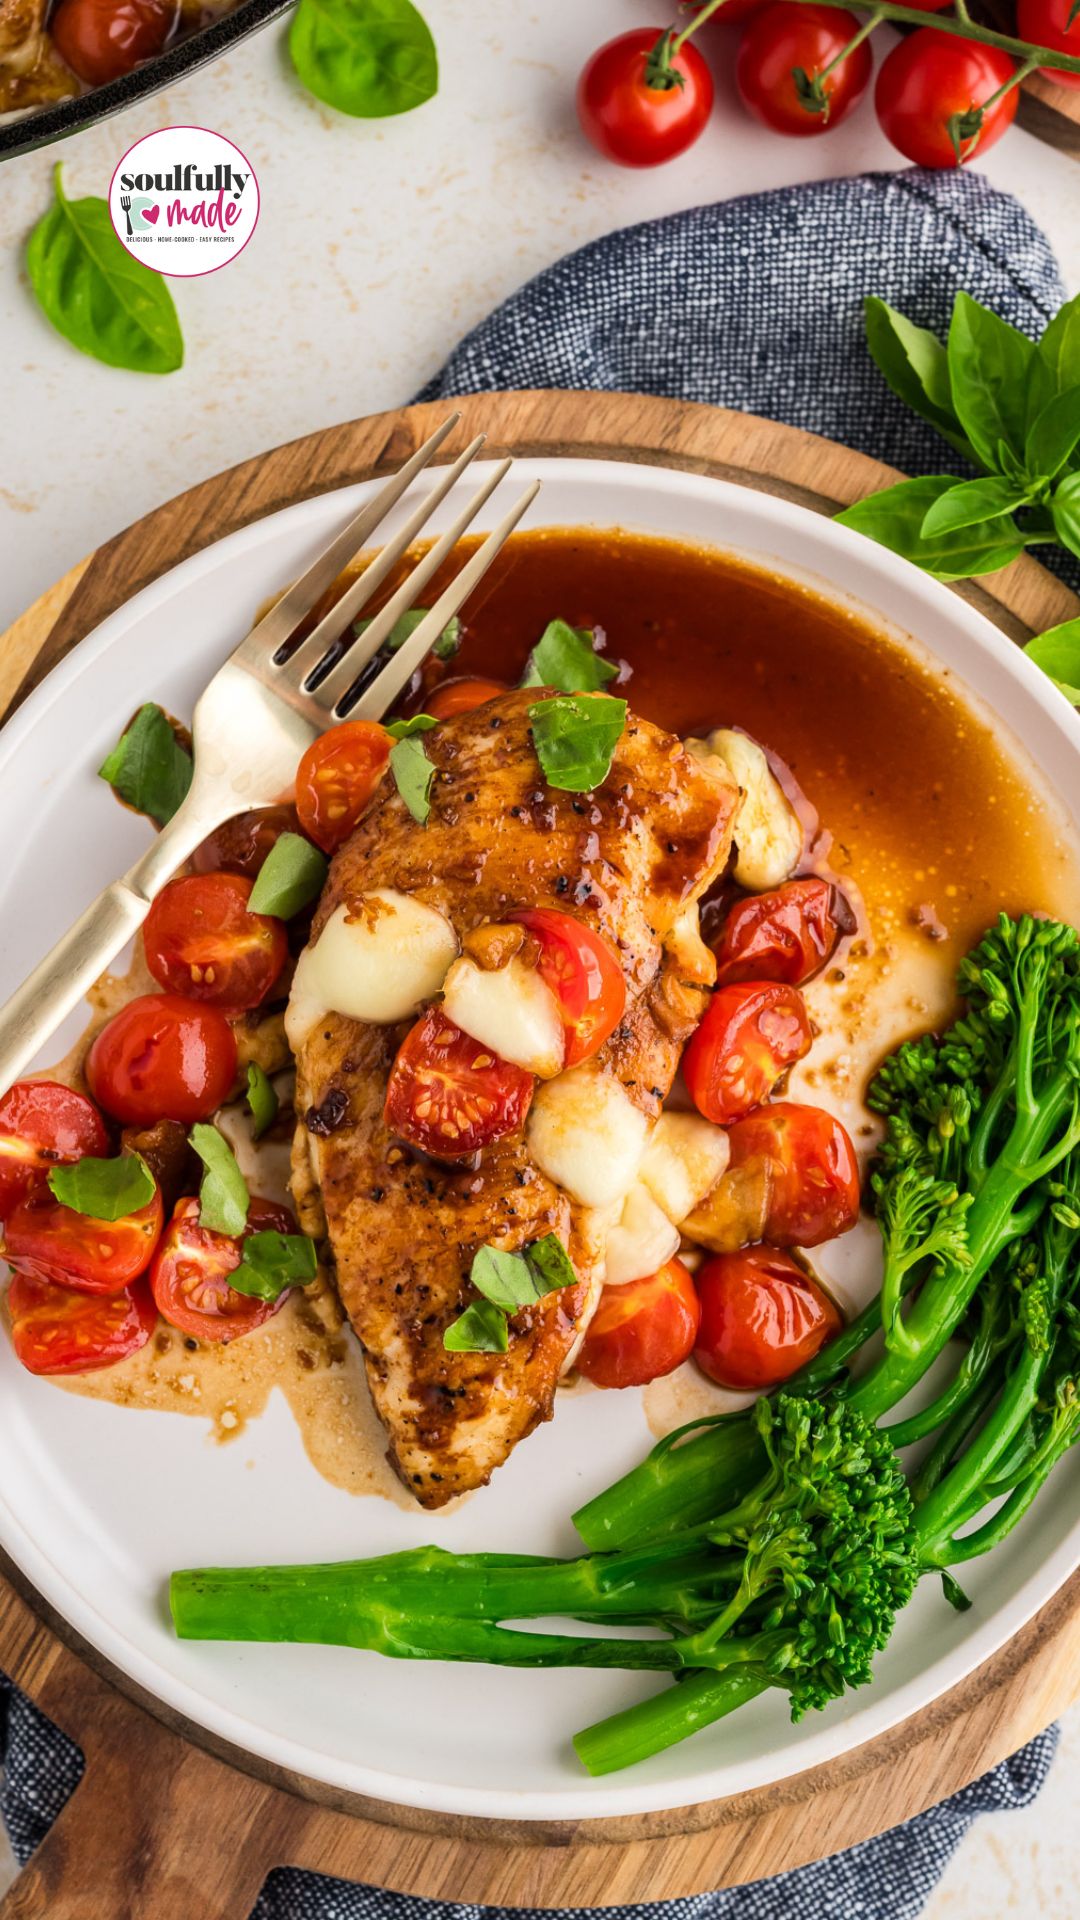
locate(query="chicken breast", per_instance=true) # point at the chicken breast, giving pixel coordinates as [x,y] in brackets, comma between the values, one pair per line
[630,859]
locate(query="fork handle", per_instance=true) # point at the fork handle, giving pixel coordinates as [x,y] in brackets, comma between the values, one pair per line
[61,980]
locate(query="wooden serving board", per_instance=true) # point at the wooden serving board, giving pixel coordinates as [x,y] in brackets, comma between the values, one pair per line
[168,1824]
[1051,113]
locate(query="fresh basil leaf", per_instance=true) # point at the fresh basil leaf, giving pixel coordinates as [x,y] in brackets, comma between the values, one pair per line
[916,366]
[290,878]
[148,768]
[988,371]
[405,729]
[1057,652]
[1056,366]
[971,502]
[550,1264]
[575,737]
[503,1278]
[564,657]
[100,298]
[480,1329]
[445,646]
[272,1262]
[261,1099]
[104,1189]
[413,776]
[1065,508]
[223,1194]
[369,58]
[1052,439]
[894,518]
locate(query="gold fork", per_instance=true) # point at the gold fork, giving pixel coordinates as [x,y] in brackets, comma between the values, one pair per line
[260,711]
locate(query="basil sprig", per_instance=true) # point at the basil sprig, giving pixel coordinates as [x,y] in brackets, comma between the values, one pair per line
[565,657]
[223,1193]
[104,1189]
[507,1282]
[262,1101]
[94,292]
[575,737]
[1011,407]
[444,647]
[405,729]
[290,878]
[369,58]
[148,768]
[273,1262]
[1057,652]
[413,774]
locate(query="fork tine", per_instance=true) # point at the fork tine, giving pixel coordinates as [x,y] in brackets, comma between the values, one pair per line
[383,691]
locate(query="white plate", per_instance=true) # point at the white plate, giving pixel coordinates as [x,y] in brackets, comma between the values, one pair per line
[98,1504]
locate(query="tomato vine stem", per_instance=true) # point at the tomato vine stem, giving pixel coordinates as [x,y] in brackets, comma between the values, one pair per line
[960,24]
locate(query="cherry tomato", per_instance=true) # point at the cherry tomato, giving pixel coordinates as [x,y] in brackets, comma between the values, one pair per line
[58,1330]
[449,1095]
[750,1035]
[785,935]
[461,696]
[628,120]
[190,1275]
[641,1330]
[762,1318]
[101,39]
[43,1125]
[162,1058]
[75,1250]
[813,1174]
[200,940]
[1045,23]
[784,38]
[582,969]
[336,778]
[242,844]
[928,79]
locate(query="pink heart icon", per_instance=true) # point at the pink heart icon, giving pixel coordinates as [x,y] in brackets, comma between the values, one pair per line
[151,214]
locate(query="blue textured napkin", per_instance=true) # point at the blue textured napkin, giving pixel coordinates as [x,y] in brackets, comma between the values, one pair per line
[756,304]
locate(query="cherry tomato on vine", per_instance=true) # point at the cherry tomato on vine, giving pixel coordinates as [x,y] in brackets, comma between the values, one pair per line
[583,972]
[635,123]
[57,1330]
[200,940]
[74,1250]
[933,79]
[242,844]
[641,1330]
[788,934]
[190,1275]
[449,1095]
[786,38]
[336,778]
[762,1318]
[751,1034]
[461,696]
[102,39]
[1045,23]
[43,1125]
[162,1058]
[811,1170]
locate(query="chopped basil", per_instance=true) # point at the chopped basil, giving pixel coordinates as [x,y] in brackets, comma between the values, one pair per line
[148,768]
[272,1262]
[104,1189]
[575,737]
[291,877]
[406,624]
[413,774]
[261,1099]
[404,729]
[503,1278]
[223,1194]
[480,1329]
[507,1281]
[564,657]
[549,1264]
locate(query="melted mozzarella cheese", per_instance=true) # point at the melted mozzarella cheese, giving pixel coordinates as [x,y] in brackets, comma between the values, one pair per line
[768,835]
[377,963]
[508,1009]
[586,1134]
[684,1159]
[642,1240]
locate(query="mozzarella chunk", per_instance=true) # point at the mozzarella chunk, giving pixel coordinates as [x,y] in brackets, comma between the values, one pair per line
[376,960]
[768,834]
[508,1009]
[683,1161]
[585,1133]
[642,1240]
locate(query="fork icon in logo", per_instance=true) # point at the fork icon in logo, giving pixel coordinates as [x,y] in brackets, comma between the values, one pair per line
[125,208]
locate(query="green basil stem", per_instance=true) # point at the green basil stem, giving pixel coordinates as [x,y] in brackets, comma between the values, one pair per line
[666,1718]
[961,24]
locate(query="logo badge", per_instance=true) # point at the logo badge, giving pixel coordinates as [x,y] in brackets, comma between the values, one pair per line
[184,201]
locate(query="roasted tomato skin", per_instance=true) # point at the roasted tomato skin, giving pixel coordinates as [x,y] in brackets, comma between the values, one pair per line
[449,1095]
[74,1250]
[102,39]
[813,1172]
[43,1125]
[461,695]
[242,844]
[162,1057]
[752,1032]
[788,934]
[583,972]
[57,1329]
[201,941]
[336,778]
[189,1275]
[642,1330]
[762,1318]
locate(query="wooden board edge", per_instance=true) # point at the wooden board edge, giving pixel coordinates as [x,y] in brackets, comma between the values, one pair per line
[1051,113]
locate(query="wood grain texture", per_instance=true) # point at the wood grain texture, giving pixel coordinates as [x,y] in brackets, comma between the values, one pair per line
[168,1824]
[1051,113]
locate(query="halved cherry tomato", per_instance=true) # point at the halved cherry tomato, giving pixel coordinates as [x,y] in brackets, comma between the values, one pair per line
[461,696]
[750,1035]
[583,972]
[43,1125]
[336,778]
[190,1275]
[762,1318]
[628,120]
[641,1330]
[75,1250]
[162,1058]
[783,40]
[813,1174]
[57,1330]
[101,39]
[449,1095]
[1051,23]
[200,940]
[242,844]
[788,934]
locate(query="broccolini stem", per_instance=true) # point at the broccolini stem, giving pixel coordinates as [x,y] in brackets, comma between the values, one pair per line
[948,1443]
[943,1509]
[994,1530]
[666,1718]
